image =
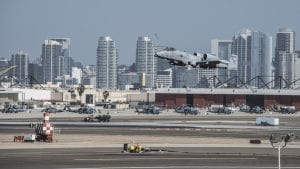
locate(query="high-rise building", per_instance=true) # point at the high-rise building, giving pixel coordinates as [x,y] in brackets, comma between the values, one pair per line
[261,58]
[20,60]
[206,77]
[65,52]
[254,52]
[296,70]
[284,54]
[89,75]
[164,78]
[289,69]
[34,73]
[146,63]
[241,46]
[183,77]
[127,78]
[107,62]
[222,49]
[55,54]
[77,74]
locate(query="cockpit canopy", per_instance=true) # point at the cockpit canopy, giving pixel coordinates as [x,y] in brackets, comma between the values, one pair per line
[170,49]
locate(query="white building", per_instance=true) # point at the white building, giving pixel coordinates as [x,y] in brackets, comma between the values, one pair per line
[284,55]
[89,76]
[289,66]
[254,51]
[107,62]
[206,77]
[145,60]
[222,49]
[77,74]
[261,58]
[164,78]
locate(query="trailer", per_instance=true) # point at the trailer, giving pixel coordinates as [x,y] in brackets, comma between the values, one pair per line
[267,121]
[29,138]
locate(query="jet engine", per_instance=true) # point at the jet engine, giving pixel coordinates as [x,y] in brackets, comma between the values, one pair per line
[204,56]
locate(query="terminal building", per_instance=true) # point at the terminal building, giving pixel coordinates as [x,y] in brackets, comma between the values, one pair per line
[201,97]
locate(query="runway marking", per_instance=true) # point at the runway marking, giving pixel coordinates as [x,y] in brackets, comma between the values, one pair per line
[156,158]
[189,167]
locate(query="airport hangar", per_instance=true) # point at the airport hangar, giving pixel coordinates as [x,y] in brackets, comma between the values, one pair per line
[203,97]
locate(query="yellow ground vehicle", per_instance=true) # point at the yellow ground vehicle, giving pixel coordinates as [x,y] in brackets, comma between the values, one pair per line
[134,148]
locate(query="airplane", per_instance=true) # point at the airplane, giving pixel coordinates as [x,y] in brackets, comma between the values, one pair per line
[195,60]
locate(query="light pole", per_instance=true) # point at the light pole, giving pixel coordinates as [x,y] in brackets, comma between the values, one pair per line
[281,142]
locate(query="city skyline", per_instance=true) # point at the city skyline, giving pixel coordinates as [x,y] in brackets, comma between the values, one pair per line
[191,29]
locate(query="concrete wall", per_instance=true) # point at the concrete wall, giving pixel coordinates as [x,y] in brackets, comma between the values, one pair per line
[34,94]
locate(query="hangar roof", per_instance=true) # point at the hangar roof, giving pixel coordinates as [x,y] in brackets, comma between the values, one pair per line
[233,91]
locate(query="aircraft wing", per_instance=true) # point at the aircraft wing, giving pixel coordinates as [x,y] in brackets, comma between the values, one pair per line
[212,64]
[208,61]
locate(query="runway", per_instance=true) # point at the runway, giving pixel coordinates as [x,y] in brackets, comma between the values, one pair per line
[191,142]
[184,158]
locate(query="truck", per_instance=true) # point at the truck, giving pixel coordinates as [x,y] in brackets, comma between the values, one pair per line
[267,121]
[221,109]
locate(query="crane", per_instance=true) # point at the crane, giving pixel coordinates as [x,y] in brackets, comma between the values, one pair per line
[2,71]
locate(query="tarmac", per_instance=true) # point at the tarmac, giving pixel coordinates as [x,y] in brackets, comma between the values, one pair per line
[203,141]
[171,158]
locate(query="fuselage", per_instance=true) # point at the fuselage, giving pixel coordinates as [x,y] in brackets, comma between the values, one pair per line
[182,58]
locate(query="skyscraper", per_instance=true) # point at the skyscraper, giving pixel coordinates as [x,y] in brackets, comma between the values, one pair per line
[20,60]
[107,62]
[34,73]
[254,51]
[222,49]
[285,47]
[55,54]
[296,70]
[65,52]
[241,46]
[145,61]
[261,58]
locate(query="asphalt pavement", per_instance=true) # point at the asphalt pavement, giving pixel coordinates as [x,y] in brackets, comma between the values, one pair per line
[169,125]
[183,158]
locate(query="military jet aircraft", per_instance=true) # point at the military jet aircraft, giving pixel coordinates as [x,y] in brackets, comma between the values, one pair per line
[196,60]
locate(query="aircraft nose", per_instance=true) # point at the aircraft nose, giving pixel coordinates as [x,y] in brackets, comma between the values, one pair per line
[158,54]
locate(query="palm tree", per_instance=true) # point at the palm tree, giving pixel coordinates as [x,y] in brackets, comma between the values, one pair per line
[105,95]
[80,90]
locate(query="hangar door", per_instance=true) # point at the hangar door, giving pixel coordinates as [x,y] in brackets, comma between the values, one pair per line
[190,99]
[255,100]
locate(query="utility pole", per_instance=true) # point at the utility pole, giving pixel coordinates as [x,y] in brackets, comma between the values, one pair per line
[281,142]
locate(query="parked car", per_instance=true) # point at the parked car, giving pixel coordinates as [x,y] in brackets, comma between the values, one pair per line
[284,109]
[252,109]
[148,109]
[86,110]
[51,110]
[187,109]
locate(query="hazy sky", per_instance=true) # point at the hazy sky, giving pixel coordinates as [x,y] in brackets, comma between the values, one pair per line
[185,24]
